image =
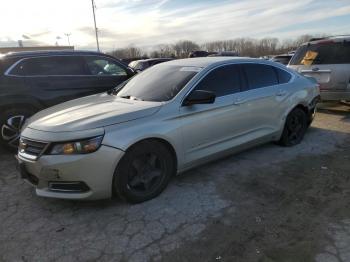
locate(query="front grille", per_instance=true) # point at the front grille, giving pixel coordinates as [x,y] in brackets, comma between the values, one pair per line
[31,149]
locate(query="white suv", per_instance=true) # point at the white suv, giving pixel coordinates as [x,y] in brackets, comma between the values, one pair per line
[328,61]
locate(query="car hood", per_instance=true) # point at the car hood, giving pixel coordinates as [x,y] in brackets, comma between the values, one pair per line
[91,112]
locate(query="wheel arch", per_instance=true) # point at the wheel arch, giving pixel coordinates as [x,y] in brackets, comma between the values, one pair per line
[302,107]
[168,145]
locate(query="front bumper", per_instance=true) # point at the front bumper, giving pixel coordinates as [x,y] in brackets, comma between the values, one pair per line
[87,176]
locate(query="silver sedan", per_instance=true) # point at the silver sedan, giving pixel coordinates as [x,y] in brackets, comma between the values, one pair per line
[165,120]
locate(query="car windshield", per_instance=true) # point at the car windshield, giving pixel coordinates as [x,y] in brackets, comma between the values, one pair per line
[158,83]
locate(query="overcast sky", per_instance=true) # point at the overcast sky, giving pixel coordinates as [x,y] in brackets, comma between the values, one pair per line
[150,22]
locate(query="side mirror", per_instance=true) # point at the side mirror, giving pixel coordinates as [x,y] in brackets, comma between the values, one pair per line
[199,97]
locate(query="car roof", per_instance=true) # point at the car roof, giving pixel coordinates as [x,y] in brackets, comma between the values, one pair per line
[159,59]
[25,54]
[339,38]
[152,59]
[283,55]
[212,61]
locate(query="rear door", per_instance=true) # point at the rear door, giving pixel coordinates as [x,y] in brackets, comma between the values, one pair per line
[262,100]
[327,61]
[56,79]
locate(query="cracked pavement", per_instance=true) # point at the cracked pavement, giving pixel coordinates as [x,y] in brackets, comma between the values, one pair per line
[241,208]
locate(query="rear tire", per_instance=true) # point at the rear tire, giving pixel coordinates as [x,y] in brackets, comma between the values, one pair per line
[294,128]
[144,171]
[11,122]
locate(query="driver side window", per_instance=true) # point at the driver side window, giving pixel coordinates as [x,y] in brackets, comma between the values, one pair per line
[222,81]
[102,66]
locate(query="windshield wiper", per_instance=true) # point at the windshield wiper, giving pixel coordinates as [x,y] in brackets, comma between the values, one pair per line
[113,91]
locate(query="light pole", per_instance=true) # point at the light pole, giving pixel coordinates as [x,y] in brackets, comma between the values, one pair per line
[93,12]
[68,35]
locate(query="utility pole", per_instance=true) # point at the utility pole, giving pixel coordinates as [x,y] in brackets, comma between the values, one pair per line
[68,35]
[96,33]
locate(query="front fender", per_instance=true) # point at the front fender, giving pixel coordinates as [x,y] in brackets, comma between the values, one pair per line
[124,135]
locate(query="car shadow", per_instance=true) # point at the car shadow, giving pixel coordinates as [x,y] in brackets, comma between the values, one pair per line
[335,108]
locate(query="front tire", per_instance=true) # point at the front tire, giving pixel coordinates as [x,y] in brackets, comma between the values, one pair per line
[295,128]
[144,171]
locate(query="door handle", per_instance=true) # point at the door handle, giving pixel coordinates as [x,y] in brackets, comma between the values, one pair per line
[239,101]
[281,93]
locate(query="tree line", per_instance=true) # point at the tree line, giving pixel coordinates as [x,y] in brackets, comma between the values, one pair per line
[243,46]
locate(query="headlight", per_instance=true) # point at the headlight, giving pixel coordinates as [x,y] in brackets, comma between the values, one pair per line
[78,147]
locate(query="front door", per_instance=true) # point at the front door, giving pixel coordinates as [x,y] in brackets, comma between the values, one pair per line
[210,128]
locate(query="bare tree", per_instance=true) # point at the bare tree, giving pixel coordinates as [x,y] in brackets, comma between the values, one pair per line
[243,46]
[184,48]
[128,52]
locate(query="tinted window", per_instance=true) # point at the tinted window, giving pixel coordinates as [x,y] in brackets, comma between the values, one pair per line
[282,59]
[54,65]
[104,66]
[283,76]
[259,75]
[322,53]
[159,83]
[222,81]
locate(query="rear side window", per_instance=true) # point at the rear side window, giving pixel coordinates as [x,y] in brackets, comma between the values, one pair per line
[51,66]
[282,59]
[322,53]
[104,66]
[259,75]
[283,76]
[222,81]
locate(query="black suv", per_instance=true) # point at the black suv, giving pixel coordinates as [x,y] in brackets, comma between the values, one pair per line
[32,81]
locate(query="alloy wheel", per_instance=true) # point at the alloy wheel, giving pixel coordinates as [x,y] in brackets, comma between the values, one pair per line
[145,174]
[10,131]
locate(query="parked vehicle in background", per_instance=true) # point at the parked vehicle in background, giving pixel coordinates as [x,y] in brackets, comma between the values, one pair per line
[283,59]
[165,120]
[32,81]
[140,65]
[200,53]
[127,61]
[328,61]
[225,53]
